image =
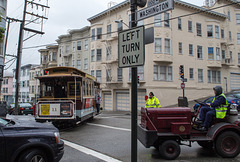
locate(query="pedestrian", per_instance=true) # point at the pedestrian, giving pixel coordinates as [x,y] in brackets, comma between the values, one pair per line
[152,101]
[218,109]
[98,101]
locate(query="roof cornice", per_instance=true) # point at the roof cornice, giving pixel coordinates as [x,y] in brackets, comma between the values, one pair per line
[177,2]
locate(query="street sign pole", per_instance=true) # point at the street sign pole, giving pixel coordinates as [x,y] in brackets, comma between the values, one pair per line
[133,4]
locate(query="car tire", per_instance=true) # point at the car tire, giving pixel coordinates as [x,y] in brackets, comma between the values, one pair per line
[227,144]
[169,150]
[33,155]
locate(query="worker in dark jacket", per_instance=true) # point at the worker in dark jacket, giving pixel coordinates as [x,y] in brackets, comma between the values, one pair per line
[218,109]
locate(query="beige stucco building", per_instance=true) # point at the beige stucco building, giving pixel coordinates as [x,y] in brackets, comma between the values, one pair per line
[206,42]
[73,49]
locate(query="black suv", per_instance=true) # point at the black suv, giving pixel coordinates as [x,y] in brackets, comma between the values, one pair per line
[22,141]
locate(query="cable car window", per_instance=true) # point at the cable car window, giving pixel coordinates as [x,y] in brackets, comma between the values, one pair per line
[83,88]
[87,90]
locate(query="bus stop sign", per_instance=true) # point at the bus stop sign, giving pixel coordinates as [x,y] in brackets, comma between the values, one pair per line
[131,47]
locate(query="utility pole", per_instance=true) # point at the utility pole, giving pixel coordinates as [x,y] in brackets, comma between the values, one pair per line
[20,43]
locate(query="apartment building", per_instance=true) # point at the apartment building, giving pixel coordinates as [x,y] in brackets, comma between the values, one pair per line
[206,42]
[34,84]
[48,56]
[24,83]
[7,89]
[73,49]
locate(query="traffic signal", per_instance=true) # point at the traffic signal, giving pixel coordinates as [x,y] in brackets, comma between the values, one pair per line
[45,72]
[141,3]
[138,79]
[181,71]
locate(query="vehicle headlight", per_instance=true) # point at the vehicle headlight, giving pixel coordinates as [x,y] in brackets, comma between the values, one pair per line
[57,137]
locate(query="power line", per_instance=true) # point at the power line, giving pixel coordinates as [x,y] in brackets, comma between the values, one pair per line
[88,37]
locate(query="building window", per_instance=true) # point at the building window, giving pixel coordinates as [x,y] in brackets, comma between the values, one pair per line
[166,73]
[217,31]
[199,52]
[158,20]
[99,33]
[200,75]
[218,57]
[189,26]
[92,72]
[191,73]
[109,30]
[78,64]
[119,73]
[199,29]
[180,47]
[92,55]
[140,73]
[166,19]
[93,35]
[238,18]
[179,24]
[223,54]
[214,76]
[210,53]
[155,72]
[79,45]
[54,57]
[50,56]
[238,58]
[238,38]
[158,45]
[85,63]
[86,44]
[73,46]
[222,34]
[209,31]
[99,54]
[230,35]
[230,53]
[98,75]
[32,89]
[229,16]
[67,49]
[167,46]
[108,53]
[190,49]
[108,75]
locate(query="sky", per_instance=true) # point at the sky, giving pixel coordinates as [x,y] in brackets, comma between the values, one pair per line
[63,15]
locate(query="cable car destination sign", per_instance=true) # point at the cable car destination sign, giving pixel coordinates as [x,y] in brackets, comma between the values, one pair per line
[155,7]
[131,47]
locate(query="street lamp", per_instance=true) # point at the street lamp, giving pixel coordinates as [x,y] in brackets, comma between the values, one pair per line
[121,22]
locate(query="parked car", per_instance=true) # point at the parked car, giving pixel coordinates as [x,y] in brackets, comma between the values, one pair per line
[235,94]
[23,109]
[29,141]
[231,100]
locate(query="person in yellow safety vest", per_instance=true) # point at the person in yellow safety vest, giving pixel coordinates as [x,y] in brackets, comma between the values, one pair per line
[218,108]
[152,101]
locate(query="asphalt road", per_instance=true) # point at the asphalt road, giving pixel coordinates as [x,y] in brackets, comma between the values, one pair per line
[109,134]
[108,138]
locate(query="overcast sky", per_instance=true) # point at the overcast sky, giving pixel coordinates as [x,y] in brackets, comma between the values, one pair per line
[62,16]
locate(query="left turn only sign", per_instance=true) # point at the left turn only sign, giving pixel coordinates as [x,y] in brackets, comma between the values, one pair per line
[131,47]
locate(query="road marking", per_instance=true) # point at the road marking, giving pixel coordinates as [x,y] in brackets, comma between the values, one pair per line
[91,152]
[105,126]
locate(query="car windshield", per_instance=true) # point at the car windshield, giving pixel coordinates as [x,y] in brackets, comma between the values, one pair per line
[3,122]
